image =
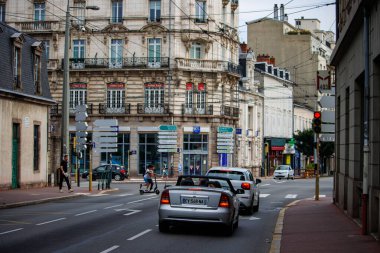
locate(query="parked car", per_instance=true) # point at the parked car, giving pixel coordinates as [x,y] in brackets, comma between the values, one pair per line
[283,171]
[118,172]
[200,200]
[241,178]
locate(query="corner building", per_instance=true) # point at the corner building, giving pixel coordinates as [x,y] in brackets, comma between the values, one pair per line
[146,64]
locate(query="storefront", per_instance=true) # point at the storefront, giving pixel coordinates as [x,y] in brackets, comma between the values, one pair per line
[195,150]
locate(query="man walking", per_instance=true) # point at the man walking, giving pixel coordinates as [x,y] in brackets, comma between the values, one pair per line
[64,174]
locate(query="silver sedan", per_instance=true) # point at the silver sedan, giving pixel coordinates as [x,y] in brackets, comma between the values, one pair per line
[201,200]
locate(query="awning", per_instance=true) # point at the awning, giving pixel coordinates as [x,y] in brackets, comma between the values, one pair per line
[277,148]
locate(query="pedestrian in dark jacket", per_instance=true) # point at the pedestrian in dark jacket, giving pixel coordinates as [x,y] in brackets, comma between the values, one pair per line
[63,170]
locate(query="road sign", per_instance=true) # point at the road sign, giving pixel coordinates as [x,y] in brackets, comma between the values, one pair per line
[225,142]
[327,137]
[225,129]
[238,131]
[174,150]
[196,129]
[327,102]
[168,128]
[224,150]
[171,146]
[323,80]
[328,128]
[166,133]
[105,139]
[167,142]
[225,135]
[81,126]
[106,122]
[328,117]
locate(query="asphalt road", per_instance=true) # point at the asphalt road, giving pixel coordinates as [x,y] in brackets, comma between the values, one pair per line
[125,221]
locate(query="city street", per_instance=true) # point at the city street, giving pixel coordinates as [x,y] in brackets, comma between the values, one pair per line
[125,221]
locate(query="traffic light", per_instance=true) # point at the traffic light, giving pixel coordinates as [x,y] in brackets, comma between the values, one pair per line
[317,122]
[81,127]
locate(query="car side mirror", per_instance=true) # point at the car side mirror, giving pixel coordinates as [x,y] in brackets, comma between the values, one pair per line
[239,191]
[167,186]
[258,181]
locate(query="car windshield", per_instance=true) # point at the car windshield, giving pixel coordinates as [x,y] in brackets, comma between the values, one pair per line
[232,175]
[282,167]
[204,181]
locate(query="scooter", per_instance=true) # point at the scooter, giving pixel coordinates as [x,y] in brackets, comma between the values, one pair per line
[155,190]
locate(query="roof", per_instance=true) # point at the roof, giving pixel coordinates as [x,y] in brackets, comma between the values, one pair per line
[28,44]
[230,168]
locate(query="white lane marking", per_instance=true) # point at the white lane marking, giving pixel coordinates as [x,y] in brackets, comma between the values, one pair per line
[264,185]
[291,196]
[254,218]
[109,207]
[110,249]
[132,212]
[47,222]
[119,210]
[263,195]
[138,235]
[98,195]
[321,196]
[11,231]
[79,214]
[140,200]
[124,195]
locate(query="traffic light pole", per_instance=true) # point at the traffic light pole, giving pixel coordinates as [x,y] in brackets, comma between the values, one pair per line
[318,167]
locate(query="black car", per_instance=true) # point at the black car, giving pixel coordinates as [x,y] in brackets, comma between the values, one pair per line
[118,172]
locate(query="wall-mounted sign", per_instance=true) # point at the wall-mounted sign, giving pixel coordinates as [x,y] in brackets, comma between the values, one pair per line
[201,86]
[115,85]
[78,85]
[189,86]
[154,85]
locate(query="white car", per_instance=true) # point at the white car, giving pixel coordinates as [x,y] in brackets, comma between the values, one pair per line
[241,178]
[283,171]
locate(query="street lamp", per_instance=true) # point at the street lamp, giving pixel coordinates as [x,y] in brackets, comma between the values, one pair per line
[66,89]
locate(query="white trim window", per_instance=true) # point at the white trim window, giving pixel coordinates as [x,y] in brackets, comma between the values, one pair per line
[115,98]
[47,49]
[116,52]
[154,52]
[39,11]
[196,51]
[37,73]
[154,99]
[77,97]
[78,54]
[154,10]
[2,12]
[79,10]
[117,11]
[200,12]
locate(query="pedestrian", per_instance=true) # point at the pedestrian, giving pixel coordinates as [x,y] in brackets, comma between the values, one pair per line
[165,171]
[191,170]
[63,170]
[197,170]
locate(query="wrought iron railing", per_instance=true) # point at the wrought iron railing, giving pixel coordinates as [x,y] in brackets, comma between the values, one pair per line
[105,108]
[229,111]
[57,109]
[195,109]
[208,65]
[37,25]
[119,63]
[152,108]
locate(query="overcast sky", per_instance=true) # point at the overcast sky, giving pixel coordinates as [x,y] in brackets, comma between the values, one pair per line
[256,9]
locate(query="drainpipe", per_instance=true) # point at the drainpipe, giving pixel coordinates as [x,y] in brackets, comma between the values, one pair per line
[366,123]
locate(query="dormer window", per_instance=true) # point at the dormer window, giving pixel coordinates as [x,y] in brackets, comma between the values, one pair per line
[18,40]
[39,11]
[37,66]
[2,12]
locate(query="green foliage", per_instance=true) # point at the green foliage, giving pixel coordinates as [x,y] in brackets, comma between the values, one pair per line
[305,142]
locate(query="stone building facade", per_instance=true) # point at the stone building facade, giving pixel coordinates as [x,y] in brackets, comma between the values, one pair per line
[357,62]
[146,64]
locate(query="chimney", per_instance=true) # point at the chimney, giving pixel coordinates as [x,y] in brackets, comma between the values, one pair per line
[286,18]
[244,47]
[282,12]
[275,11]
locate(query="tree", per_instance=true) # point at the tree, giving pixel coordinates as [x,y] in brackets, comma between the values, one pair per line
[305,142]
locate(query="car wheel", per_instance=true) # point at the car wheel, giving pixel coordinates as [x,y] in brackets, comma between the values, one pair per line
[236,225]
[163,227]
[117,177]
[250,209]
[256,208]
[229,230]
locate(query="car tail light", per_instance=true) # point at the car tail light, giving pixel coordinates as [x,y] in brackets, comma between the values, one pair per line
[224,201]
[165,198]
[122,171]
[245,186]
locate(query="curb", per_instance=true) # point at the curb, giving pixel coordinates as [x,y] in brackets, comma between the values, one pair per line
[275,246]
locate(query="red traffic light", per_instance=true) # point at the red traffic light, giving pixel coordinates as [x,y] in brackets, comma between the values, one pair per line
[317,115]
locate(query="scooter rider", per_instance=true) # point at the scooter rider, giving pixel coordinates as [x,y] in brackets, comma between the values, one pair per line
[148,177]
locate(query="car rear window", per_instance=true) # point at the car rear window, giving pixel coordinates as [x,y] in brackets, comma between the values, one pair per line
[232,175]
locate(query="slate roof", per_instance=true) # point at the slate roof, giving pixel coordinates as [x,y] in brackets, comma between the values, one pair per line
[7,36]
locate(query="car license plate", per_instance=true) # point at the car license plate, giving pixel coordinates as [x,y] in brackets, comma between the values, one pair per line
[194,201]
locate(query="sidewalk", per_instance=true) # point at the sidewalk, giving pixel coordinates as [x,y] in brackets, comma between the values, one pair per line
[319,226]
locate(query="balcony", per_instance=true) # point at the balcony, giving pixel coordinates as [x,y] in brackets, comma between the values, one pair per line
[229,111]
[56,109]
[192,109]
[208,65]
[119,63]
[121,109]
[153,109]
[37,26]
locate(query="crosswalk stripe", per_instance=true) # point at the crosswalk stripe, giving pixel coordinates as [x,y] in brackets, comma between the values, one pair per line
[263,195]
[291,196]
